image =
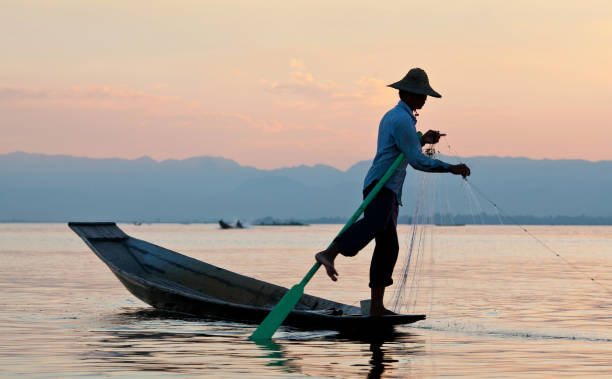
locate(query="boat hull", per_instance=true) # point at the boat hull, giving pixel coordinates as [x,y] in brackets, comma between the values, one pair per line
[171,281]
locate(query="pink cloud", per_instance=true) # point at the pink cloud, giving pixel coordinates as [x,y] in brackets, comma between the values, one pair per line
[327,93]
[80,93]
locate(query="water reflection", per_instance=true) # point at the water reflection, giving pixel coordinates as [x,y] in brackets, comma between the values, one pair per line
[404,344]
[148,340]
[377,361]
[276,356]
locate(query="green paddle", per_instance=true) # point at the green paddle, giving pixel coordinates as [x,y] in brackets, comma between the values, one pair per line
[279,313]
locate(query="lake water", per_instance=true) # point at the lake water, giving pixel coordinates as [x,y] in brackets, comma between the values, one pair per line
[498,304]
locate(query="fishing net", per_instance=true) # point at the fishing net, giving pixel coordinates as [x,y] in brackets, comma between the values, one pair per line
[412,280]
[414,285]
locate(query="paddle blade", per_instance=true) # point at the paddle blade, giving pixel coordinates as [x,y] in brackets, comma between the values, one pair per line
[278,314]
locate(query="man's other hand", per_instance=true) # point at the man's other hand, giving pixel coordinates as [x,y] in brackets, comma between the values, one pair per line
[460,169]
[431,137]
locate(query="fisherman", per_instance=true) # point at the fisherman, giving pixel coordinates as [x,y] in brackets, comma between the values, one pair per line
[396,134]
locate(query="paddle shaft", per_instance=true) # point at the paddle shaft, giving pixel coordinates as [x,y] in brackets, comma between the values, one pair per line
[277,315]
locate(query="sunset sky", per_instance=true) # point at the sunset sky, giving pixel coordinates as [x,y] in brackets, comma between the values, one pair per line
[281,83]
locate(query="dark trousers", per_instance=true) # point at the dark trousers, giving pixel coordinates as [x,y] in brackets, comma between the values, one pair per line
[379,222]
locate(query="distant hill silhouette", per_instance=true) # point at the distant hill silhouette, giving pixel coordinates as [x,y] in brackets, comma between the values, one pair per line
[35,187]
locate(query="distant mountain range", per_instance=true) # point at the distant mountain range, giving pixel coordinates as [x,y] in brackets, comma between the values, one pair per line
[35,187]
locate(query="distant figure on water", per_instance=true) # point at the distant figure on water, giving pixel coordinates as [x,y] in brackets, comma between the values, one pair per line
[225,225]
[396,134]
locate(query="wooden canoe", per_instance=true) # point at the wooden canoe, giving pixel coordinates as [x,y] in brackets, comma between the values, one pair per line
[171,281]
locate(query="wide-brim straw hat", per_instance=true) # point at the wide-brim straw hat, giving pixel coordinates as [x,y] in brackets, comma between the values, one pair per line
[416,81]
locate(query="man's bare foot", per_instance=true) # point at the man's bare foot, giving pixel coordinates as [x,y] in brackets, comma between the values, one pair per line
[377,307]
[380,311]
[326,258]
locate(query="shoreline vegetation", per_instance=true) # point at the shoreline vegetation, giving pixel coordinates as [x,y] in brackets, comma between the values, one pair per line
[438,219]
[271,221]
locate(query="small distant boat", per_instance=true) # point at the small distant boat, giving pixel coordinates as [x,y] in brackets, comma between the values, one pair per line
[225,225]
[172,281]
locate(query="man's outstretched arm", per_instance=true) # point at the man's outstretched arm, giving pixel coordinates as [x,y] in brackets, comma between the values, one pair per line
[410,144]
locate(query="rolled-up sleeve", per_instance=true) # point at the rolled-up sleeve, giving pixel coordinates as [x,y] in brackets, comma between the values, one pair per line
[407,140]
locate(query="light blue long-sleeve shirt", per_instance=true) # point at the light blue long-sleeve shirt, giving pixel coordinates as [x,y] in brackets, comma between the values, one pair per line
[396,134]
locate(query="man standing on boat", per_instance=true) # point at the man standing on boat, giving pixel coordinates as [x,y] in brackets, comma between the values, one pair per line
[396,134]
